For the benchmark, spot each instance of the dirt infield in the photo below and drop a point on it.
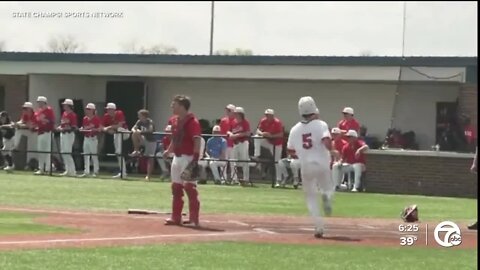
(115, 229)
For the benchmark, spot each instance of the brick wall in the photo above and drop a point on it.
(467, 101)
(420, 175)
(16, 87)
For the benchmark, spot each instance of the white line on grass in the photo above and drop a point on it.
(125, 238)
(264, 231)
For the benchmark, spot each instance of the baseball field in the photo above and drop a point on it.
(67, 223)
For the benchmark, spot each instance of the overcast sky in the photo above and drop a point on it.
(267, 28)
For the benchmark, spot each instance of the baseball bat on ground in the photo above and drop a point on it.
(148, 212)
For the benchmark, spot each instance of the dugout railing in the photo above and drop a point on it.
(268, 161)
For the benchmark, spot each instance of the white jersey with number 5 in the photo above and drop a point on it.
(306, 139)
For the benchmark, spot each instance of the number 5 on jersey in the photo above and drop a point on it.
(307, 140)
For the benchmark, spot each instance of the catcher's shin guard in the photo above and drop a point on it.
(193, 202)
(177, 202)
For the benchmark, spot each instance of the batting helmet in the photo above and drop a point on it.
(410, 213)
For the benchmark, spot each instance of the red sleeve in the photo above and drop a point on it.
(51, 115)
(84, 121)
(246, 126)
(360, 143)
(25, 118)
(119, 117)
(261, 125)
(73, 120)
(344, 151)
(224, 126)
(278, 127)
(194, 128)
(356, 125)
(96, 122)
(106, 120)
(340, 124)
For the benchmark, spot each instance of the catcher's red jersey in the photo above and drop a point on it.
(183, 134)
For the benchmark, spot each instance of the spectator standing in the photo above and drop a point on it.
(68, 124)
(240, 135)
(91, 125)
(271, 129)
(226, 124)
(142, 135)
(114, 123)
(348, 122)
(26, 127)
(44, 125)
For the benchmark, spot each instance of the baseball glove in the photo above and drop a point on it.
(410, 213)
(191, 172)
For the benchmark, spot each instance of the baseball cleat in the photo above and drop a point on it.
(277, 185)
(39, 172)
(171, 222)
(63, 174)
(93, 175)
(82, 175)
(318, 233)
(119, 175)
(191, 223)
(354, 189)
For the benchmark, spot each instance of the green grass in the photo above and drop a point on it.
(23, 224)
(97, 194)
(241, 256)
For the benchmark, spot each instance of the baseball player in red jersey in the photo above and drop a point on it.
(226, 126)
(348, 122)
(240, 135)
(44, 125)
(114, 122)
(270, 128)
(26, 127)
(68, 124)
(185, 145)
(352, 160)
(90, 127)
(337, 143)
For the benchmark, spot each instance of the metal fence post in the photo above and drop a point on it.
(273, 163)
(121, 155)
(51, 151)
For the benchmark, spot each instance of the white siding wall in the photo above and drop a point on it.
(372, 102)
(55, 87)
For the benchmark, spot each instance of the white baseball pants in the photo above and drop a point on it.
(44, 142)
(66, 145)
(339, 169)
(215, 165)
(259, 143)
(294, 165)
(229, 154)
(316, 177)
(90, 146)
(118, 139)
(8, 146)
(179, 164)
(31, 142)
(240, 152)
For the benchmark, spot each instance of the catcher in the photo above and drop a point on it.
(185, 146)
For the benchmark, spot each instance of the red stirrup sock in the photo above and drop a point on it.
(177, 202)
(193, 202)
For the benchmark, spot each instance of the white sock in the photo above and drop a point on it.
(312, 205)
